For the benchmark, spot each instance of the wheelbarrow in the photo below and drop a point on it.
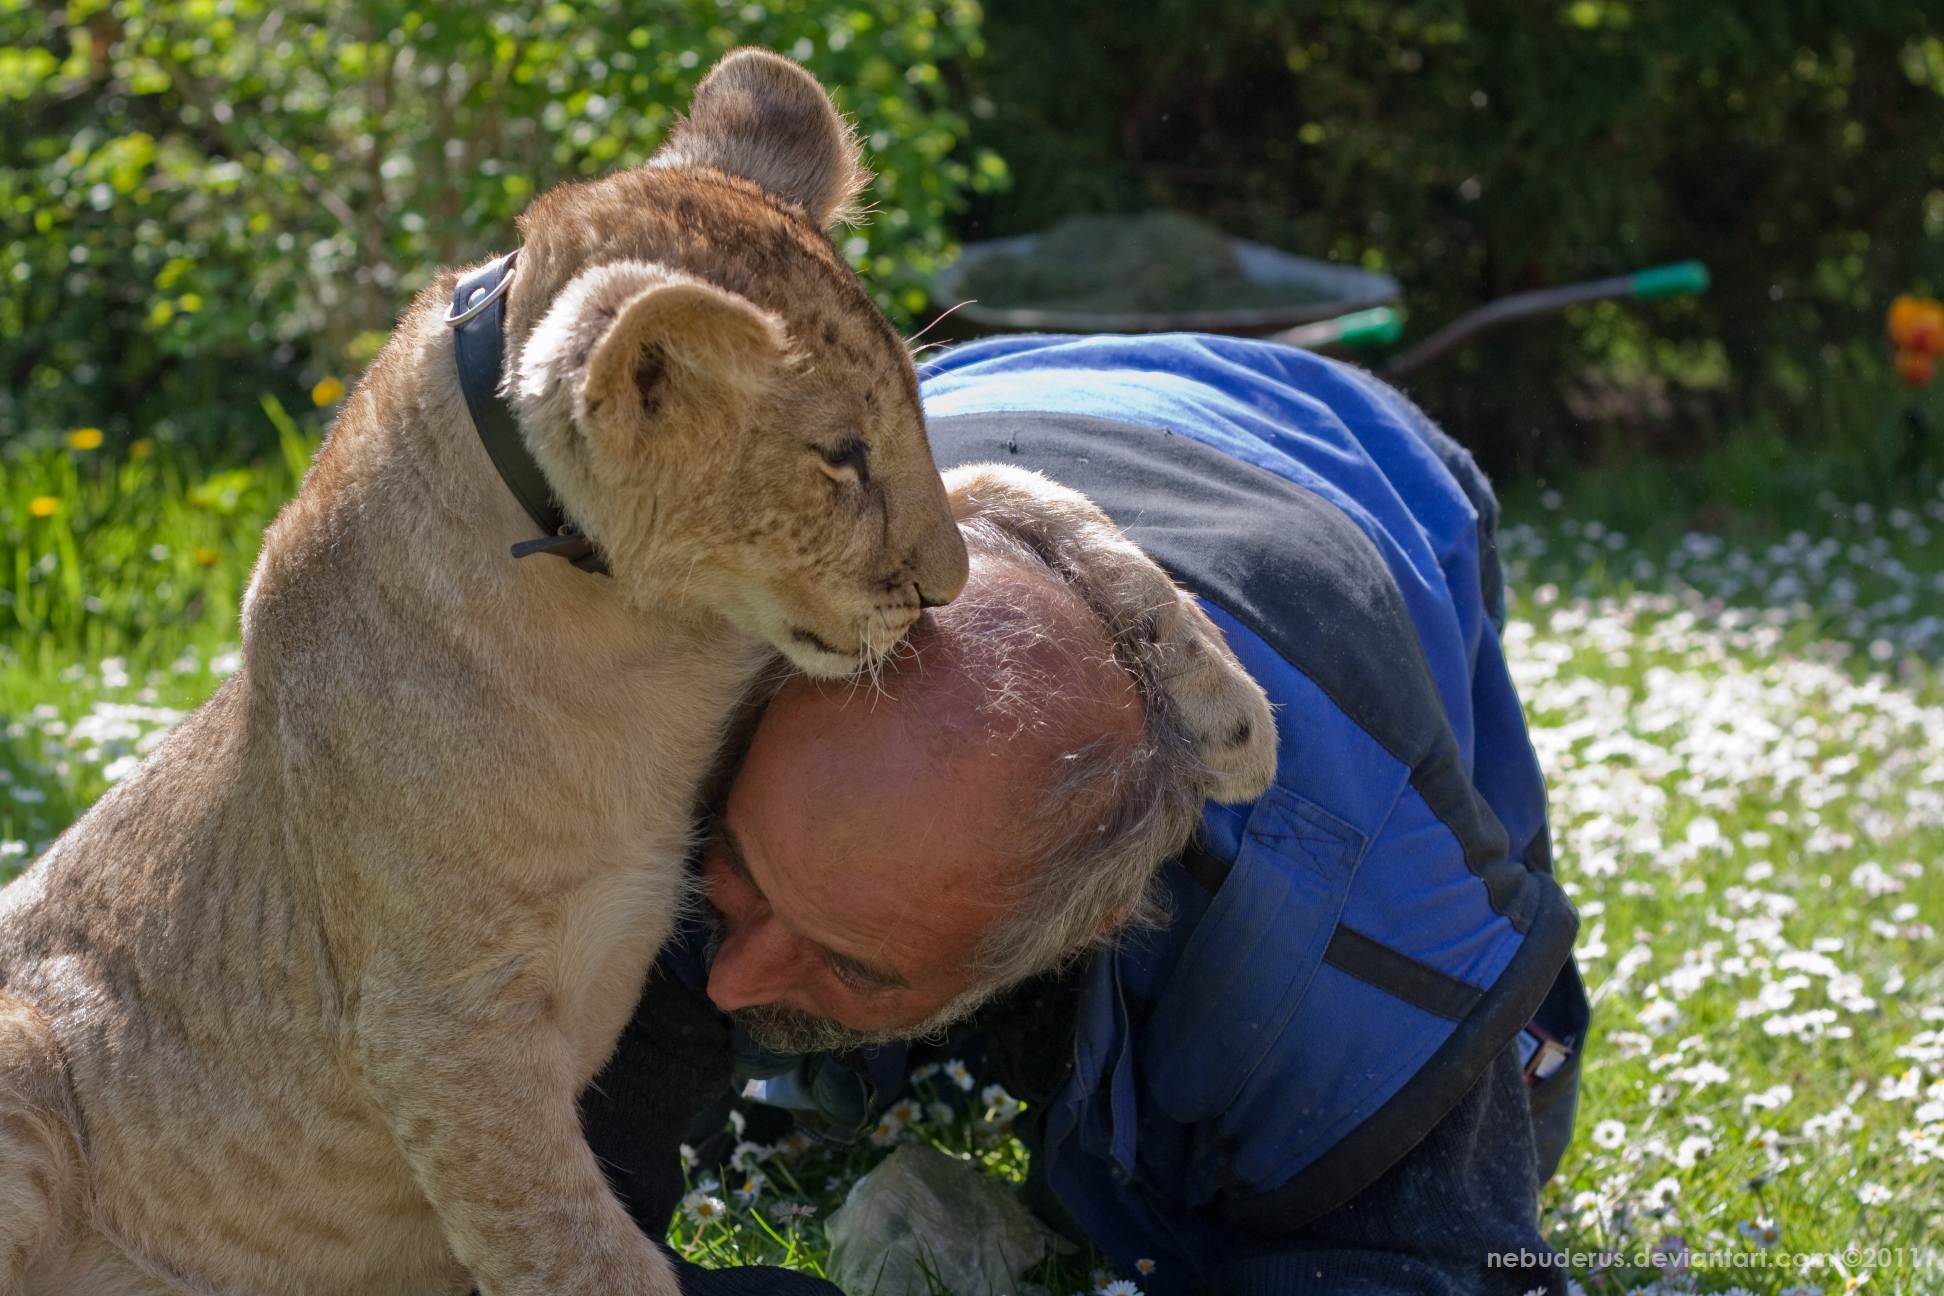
(1348, 309)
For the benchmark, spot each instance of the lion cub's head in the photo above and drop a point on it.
(712, 394)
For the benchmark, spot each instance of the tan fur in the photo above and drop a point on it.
(815, 164)
(303, 1005)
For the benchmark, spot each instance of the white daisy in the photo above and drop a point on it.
(701, 1208)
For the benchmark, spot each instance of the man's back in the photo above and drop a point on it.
(1351, 953)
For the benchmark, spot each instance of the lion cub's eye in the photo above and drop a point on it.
(848, 461)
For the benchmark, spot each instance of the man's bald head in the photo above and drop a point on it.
(1016, 681)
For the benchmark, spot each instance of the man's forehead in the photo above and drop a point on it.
(911, 899)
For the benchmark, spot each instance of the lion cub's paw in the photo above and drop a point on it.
(1218, 701)
(1227, 711)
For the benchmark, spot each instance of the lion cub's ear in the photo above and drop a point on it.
(759, 116)
(635, 347)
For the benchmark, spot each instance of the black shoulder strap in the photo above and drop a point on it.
(477, 320)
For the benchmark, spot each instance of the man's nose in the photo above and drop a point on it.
(754, 965)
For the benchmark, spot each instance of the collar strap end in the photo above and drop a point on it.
(571, 545)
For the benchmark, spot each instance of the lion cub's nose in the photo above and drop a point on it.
(941, 566)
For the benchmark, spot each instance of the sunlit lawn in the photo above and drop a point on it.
(1746, 752)
(1745, 742)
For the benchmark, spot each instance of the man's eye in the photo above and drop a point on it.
(850, 976)
(847, 461)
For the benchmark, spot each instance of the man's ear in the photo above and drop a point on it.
(759, 116)
(629, 346)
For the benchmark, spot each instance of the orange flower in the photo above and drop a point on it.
(1916, 368)
(1916, 324)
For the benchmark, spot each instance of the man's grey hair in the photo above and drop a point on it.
(1115, 807)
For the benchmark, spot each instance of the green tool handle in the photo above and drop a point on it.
(1659, 281)
(1378, 326)
(1670, 280)
(1382, 326)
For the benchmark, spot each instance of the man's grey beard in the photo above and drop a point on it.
(788, 1031)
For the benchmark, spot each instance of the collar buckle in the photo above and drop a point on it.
(477, 299)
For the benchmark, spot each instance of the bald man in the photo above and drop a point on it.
(1326, 1042)
(874, 836)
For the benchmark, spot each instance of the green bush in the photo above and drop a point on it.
(1481, 148)
(206, 200)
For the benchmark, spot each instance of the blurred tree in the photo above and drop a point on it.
(204, 200)
(1479, 147)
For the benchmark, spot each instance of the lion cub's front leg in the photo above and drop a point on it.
(478, 1080)
(40, 1155)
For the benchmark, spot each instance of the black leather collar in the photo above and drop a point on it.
(477, 320)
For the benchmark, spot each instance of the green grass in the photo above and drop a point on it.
(1733, 677)
(1750, 815)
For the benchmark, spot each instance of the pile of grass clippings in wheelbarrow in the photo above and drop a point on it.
(1157, 262)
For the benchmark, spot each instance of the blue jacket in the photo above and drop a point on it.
(1380, 925)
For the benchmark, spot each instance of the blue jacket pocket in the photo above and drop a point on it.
(1252, 956)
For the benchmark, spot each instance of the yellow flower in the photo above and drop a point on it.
(140, 450)
(84, 439)
(329, 391)
(206, 556)
(1917, 324)
(43, 506)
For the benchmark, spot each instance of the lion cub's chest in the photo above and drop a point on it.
(605, 933)
(614, 884)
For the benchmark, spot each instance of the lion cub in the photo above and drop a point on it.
(304, 1004)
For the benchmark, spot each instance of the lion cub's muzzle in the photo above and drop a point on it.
(836, 642)
(874, 638)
